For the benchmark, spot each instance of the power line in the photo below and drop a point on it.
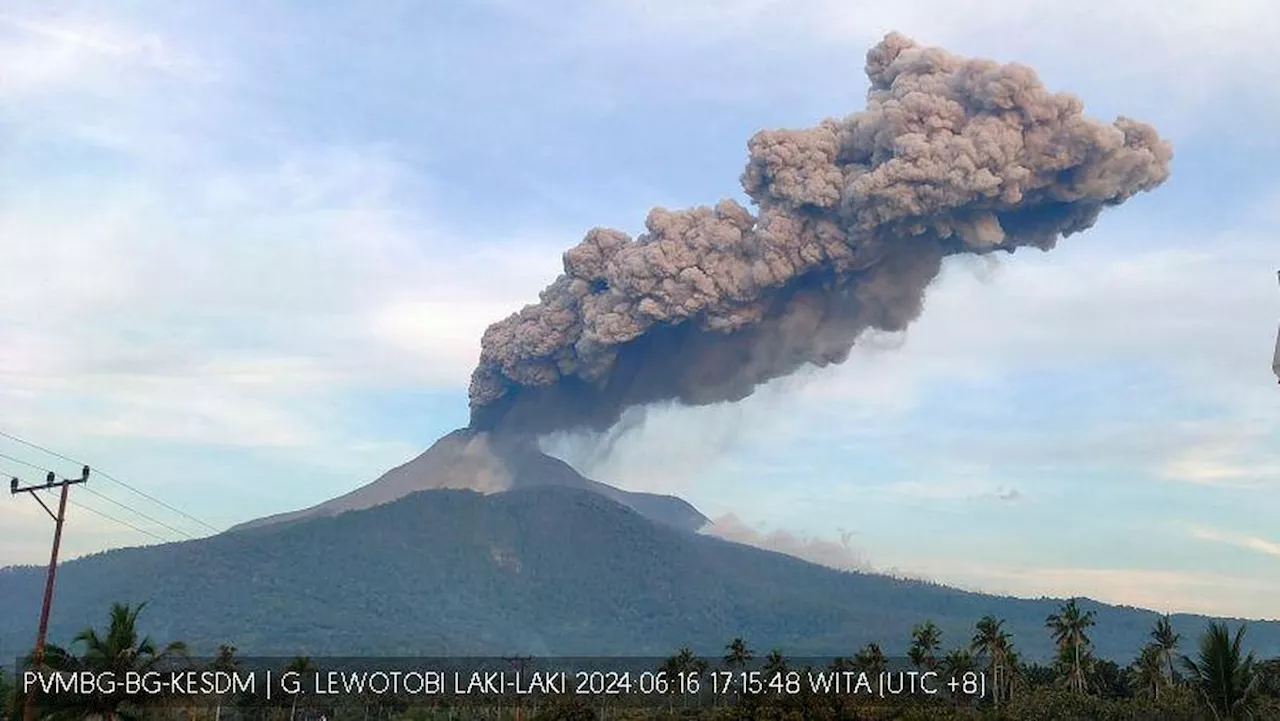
(117, 520)
(153, 499)
(24, 463)
(107, 476)
(162, 524)
(29, 444)
(232, 538)
(109, 499)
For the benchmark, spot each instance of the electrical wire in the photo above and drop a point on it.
(102, 474)
(135, 511)
(118, 520)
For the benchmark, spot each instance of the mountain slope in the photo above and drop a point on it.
(487, 463)
(539, 570)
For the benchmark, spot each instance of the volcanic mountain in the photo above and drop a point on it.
(554, 565)
(488, 463)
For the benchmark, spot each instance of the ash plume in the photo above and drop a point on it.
(853, 220)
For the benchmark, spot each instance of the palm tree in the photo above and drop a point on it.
(682, 667)
(299, 665)
(870, 659)
(684, 662)
(1069, 628)
(774, 664)
(1148, 670)
(925, 641)
(993, 643)
(1225, 679)
(225, 661)
(119, 651)
(957, 662)
(738, 654)
(1166, 641)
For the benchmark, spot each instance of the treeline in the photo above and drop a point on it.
(1216, 678)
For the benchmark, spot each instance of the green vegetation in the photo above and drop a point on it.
(118, 650)
(1069, 628)
(8, 696)
(1223, 682)
(1223, 677)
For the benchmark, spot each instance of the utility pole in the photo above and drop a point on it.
(51, 481)
(1275, 360)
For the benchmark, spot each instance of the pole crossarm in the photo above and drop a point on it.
(50, 481)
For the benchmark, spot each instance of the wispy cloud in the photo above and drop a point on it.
(45, 56)
(1240, 540)
(1240, 461)
(839, 554)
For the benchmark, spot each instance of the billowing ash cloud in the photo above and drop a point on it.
(951, 155)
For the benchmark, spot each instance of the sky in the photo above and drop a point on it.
(247, 260)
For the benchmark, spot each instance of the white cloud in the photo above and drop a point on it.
(312, 279)
(1227, 463)
(82, 54)
(1240, 540)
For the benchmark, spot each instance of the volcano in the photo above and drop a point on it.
(488, 463)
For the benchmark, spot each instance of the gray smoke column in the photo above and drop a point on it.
(854, 217)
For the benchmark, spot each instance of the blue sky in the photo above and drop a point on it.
(248, 259)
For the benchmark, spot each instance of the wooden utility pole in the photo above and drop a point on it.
(1275, 360)
(51, 481)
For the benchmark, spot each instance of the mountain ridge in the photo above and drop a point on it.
(487, 463)
(541, 570)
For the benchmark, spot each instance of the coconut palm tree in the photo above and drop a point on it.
(870, 660)
(1223, 677)
(925, 641)
(1070, 626)
(1148, 670)
(957, 662)
(1166, 641)
(775, 664)
(118, 651)
(737, 654)
(299, 665)
(684, 662)
(225, 661)
(683, 670)
(994, 644)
